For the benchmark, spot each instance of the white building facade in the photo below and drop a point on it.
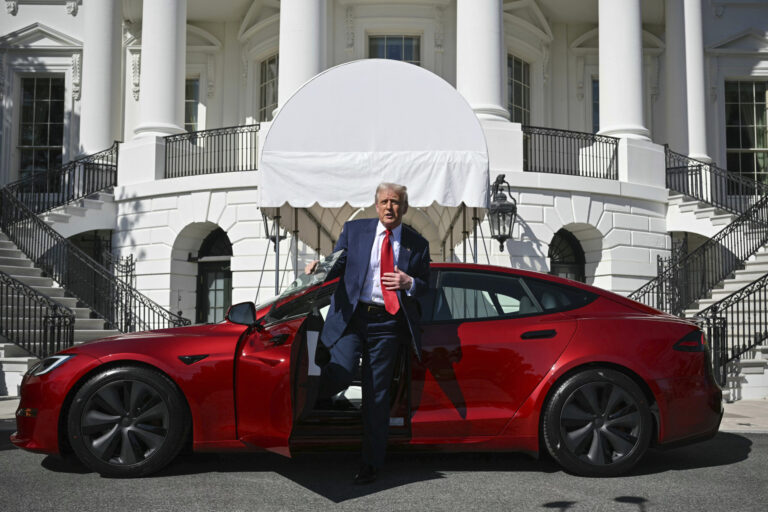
(615, 79)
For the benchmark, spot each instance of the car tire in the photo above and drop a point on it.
(127, 422)
(597, 423)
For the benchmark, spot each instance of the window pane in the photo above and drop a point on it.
(41, 135)
(27, 134)
(41, 111)
(477, 295)
(41, 160)
(54, 159)
(55, 134)
(57, 88)
(27, 159)
(376, 49)
(746, 94)
(733, 161)
(394, 48)
(27, 89)
(42, 88)
(731, 91)
(56, 112)
(747, 114)
(732, 138)
(732, 113)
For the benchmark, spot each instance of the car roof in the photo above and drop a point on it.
(548, 277)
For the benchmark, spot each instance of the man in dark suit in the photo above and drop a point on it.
(373, 311)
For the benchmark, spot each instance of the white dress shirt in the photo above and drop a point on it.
(371, 291)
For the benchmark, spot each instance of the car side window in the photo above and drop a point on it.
(555, 297)
(461, 295)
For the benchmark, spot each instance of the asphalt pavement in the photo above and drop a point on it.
(727, 472)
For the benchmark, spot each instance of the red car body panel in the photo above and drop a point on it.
(479, 385)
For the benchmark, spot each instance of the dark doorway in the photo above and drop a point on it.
(566, 257)
(214, 278)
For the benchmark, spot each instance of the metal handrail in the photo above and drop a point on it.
(710, 184)
(121, 306)
(736, 324)
(123, 268)
(555, 151)
(685, 281)
(75, 180)
(33, 321)
(229, 149)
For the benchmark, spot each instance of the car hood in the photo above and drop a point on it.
(195, 338)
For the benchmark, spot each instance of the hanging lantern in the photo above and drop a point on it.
(502, 211)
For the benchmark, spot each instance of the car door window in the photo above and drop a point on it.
(461, 295)
(555, 297)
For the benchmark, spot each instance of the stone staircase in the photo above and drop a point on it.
(14, 360)
(687, 214)
(96, 212)
(748, 377)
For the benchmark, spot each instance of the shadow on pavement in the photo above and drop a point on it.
(723, 449)
(330, 474)
(7, 427)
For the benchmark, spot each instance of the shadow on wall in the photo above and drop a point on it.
(527, 253)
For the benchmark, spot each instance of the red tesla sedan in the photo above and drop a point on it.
(511, 360)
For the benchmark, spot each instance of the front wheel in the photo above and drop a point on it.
(127, 422)
(597, 423)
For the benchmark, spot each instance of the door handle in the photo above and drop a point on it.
(539, 335)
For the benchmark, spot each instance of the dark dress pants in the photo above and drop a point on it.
(378, 336)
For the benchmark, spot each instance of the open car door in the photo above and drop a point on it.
(276, 358)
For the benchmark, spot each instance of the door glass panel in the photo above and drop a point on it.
(476, 295)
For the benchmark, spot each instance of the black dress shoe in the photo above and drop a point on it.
(366, 475)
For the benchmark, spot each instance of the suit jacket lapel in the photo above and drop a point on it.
(366, 244)
(404, 255)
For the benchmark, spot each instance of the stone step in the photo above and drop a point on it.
(705, 213)
(36, 281)
(16, 262)
(80, 335)
(56, 217)
(92, 204)
(722, 219)
(18, 322)
(7, 244)
(14, 271)
(691, 206)
(19, 310)
(73, 210)
(53, 292)
(11, 253)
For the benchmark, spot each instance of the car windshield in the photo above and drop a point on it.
(306, 281)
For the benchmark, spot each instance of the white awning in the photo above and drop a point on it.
(365, 122)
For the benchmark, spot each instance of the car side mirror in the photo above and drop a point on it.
(243, 313)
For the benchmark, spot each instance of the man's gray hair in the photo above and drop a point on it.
(400, 190)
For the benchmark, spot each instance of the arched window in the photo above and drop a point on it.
(566, 257)
(214, 278)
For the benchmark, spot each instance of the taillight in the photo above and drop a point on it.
(694, 341)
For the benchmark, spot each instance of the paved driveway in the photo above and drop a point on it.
(727, 472)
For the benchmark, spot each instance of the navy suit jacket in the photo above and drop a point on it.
(357, 238)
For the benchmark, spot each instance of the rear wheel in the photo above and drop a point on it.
(127, 422)
(597, 423)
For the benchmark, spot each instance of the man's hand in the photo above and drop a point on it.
(397, 280)
(311, 266)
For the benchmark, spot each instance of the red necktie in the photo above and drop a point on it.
(388, 265)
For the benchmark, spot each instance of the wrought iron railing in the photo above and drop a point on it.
(123, 268)
(710, 184)
(32, 321)
(120, 305)
(555, 151)
(736, 324)
(681, 283)
(46, 190)
(212, 151)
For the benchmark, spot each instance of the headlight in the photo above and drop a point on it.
(48, 364)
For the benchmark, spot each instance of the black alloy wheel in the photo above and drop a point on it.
(127, 422)
(597, 423)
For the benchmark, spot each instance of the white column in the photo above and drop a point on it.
(163, 68)
(675, 79)
(696, 81)
(301, 45)
(100, 110)
(480, 57)
(621, 69)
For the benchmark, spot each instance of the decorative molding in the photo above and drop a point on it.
(76, 75)
(545, 61)
(72, 6)
(210, 75)
(439, 28)
(244, 66)
(580, 79)
(2, 73)
(349, 22)
(135, 73)
(33, 37)
(12, 6)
